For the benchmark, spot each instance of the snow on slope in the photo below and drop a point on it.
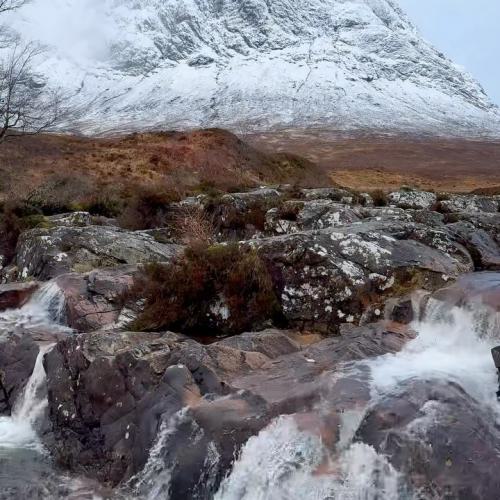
(253, 65)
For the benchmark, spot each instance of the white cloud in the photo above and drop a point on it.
(79, 29)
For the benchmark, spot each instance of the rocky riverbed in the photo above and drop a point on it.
(362, 381)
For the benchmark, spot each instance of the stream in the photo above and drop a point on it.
(448, 363)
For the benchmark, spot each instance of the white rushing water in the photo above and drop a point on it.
(453, 344)
(284, 463)
(19, 430)
(44, 309)
(154, 480)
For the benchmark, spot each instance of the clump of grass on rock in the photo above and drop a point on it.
(220, 289)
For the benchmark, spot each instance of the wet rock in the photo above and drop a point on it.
(271, 343)
(108, 392)
(294, 216)
(96, 300)
(412, 199)
(15, 295)
(47, 253)
(401, 310)
(18, 354)
(295, 382)
(475, 289)
(439, 437)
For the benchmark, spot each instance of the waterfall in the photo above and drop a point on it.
(18, 430)
(45, 308)
(453, 344)
(154, 480)
(284, 463)
(30, 406)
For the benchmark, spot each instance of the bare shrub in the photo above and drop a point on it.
(194, 226)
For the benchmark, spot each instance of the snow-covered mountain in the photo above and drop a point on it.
(253, 65)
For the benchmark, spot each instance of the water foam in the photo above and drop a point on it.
(285, 463)
(453, 344)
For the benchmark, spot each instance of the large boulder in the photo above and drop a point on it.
(470, 203)
(332, 194)
(412, 199)
(329, 277)
(108, 390)
(295, 215)
(47, 253)
(112, 395)
(482, 246)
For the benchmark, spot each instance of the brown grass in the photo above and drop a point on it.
(367, 161)
(181, 162)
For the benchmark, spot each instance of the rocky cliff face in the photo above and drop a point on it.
(255, 64)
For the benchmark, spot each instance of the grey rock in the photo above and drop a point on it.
(73, 219)
(483, 248)
(470, 203)
(294, 216)
(418, 200)
(258, 196)
(333, 194)
(47, 253)
(97, 300)
(329, 277)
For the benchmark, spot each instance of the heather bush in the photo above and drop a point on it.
(220, 289)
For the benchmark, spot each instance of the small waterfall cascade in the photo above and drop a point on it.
(45, 308)
(19, 430)
(284, 463)
(154, 480)
(30, 407)
(453, 344)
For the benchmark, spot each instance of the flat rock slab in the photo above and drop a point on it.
(48, 253)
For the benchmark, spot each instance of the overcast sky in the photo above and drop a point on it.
(468, 31)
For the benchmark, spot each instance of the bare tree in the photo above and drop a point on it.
(6, 5)
(27, 106)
